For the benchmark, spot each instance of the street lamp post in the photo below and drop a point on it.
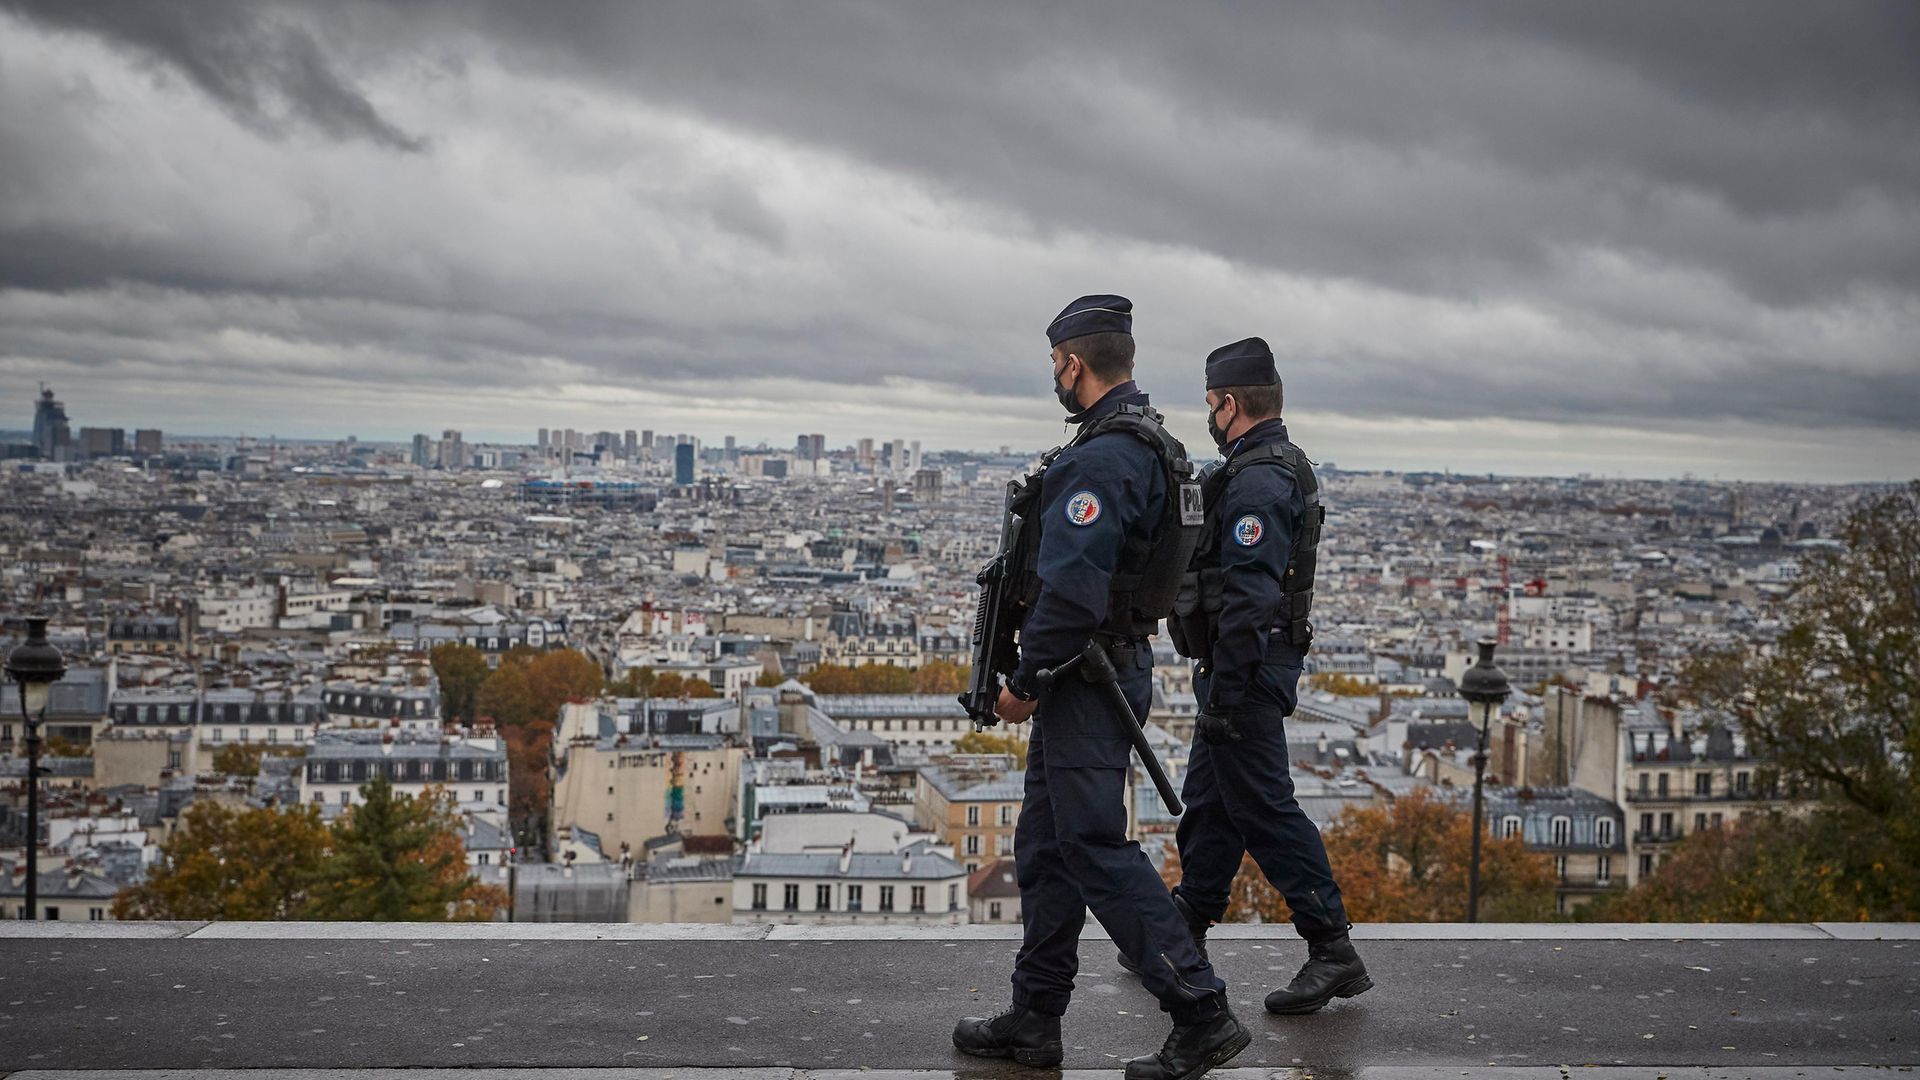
(1484, 686)
(34, 667)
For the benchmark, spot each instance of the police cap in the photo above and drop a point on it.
(1104, 314)
(1243, 363)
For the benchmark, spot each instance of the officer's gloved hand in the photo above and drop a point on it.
(1217, 729)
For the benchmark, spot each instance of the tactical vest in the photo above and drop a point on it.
(1148, 576)
(1195, 624)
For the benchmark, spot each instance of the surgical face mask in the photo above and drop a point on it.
(1213, 427)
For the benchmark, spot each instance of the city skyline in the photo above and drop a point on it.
(1495, 240)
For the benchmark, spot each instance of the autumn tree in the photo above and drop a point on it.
(227, 863)
(560, 676)
(461, 670)
(986, 742)
(770, 677)
(529, 785)
(1406, 861)
(391, 862)
(237, 759)
(941, 677)
(1341, 685)
(637, 682)
(1834, 708)
(506, 696)
(864, 679)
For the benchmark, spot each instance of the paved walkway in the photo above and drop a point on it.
(825, 1003)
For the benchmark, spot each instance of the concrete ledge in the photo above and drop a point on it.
(355, 931)
(984, 1072)
(13, 928)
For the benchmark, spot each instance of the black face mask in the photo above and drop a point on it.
(1214, 429)
(1065, 396)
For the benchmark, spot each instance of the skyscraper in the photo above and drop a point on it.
(52, 439)
(683, 464)
(147, 441)
(543, 438)
(453, 450)
(423, 451)
(632, 444)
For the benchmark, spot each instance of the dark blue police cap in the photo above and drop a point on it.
(1243, 363)
(1092, 315)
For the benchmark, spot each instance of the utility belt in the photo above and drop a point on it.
(1122, 649)
(1195, 622)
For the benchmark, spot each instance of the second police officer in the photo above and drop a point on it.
(1102, 513)
(1243, 614)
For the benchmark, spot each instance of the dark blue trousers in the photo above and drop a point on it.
(1072, 852)
(1240, 800)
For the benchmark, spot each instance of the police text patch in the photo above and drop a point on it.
(1083, 508)
(1248, 531)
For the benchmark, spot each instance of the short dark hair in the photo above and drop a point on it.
(1258, 402)
(1108, 355)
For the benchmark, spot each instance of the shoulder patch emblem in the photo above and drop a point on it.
(1248, 531)
(1083, 508)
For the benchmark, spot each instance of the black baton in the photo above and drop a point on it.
(1100, 673)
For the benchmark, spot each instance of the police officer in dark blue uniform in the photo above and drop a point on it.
(1101, 499)
(1244, 616)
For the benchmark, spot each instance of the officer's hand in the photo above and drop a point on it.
(1217, 730)
(1013, 710)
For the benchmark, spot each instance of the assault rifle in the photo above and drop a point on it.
(1002, 609)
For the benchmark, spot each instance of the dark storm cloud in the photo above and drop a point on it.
(267, 72)
(1614, 212)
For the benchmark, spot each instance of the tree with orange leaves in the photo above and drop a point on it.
(1406, 861)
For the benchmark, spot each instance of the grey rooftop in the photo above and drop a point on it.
(801, 1003)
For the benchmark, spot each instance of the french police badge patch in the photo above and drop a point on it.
(1083, 508)
(1248, 531)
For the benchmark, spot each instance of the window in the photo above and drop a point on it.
(822, 897)
(790, 897)
(96, 914)
(953, 898)
(346, 798)
(1699, 822)
(1643, 783)
(1603, 870)
(1510, 826)
(993, 911)
(1560, 867)
(53, 913)
(1716, 820)
(216, 735)
(973, 816)
(918, 896)
(1562, 831)
(1666, 824)
(1004, 846)
(1646, 824)
(1703, 783)
(759, 896)
(1646, 865)
(1663, 785)
(886, 898)
(484, 858)
(1603, 831)
(973, 843)
(1006, 813)
(853, 897)
(1742, 782)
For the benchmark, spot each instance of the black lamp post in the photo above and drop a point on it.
(1484, 686)
(34, 667)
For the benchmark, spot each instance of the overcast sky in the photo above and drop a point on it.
(1640, 238)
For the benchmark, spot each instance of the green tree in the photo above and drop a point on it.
(461, 669)
(390, 862)
(984, 742)
(227, 863)
(506, 696)
(1835, 708)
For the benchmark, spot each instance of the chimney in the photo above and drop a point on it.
(906, 862)
(846, 856)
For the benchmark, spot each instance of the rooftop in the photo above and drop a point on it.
(805, 1002)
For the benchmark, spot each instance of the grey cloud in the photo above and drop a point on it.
(267, 72)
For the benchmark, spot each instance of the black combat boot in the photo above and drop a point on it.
(1027, 1037)
(1196, 925)
(1192, 1049)
(1333, 969)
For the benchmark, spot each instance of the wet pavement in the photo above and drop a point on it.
(824, 1008)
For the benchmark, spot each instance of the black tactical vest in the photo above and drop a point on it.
(1148, 576)
(1195, 623)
